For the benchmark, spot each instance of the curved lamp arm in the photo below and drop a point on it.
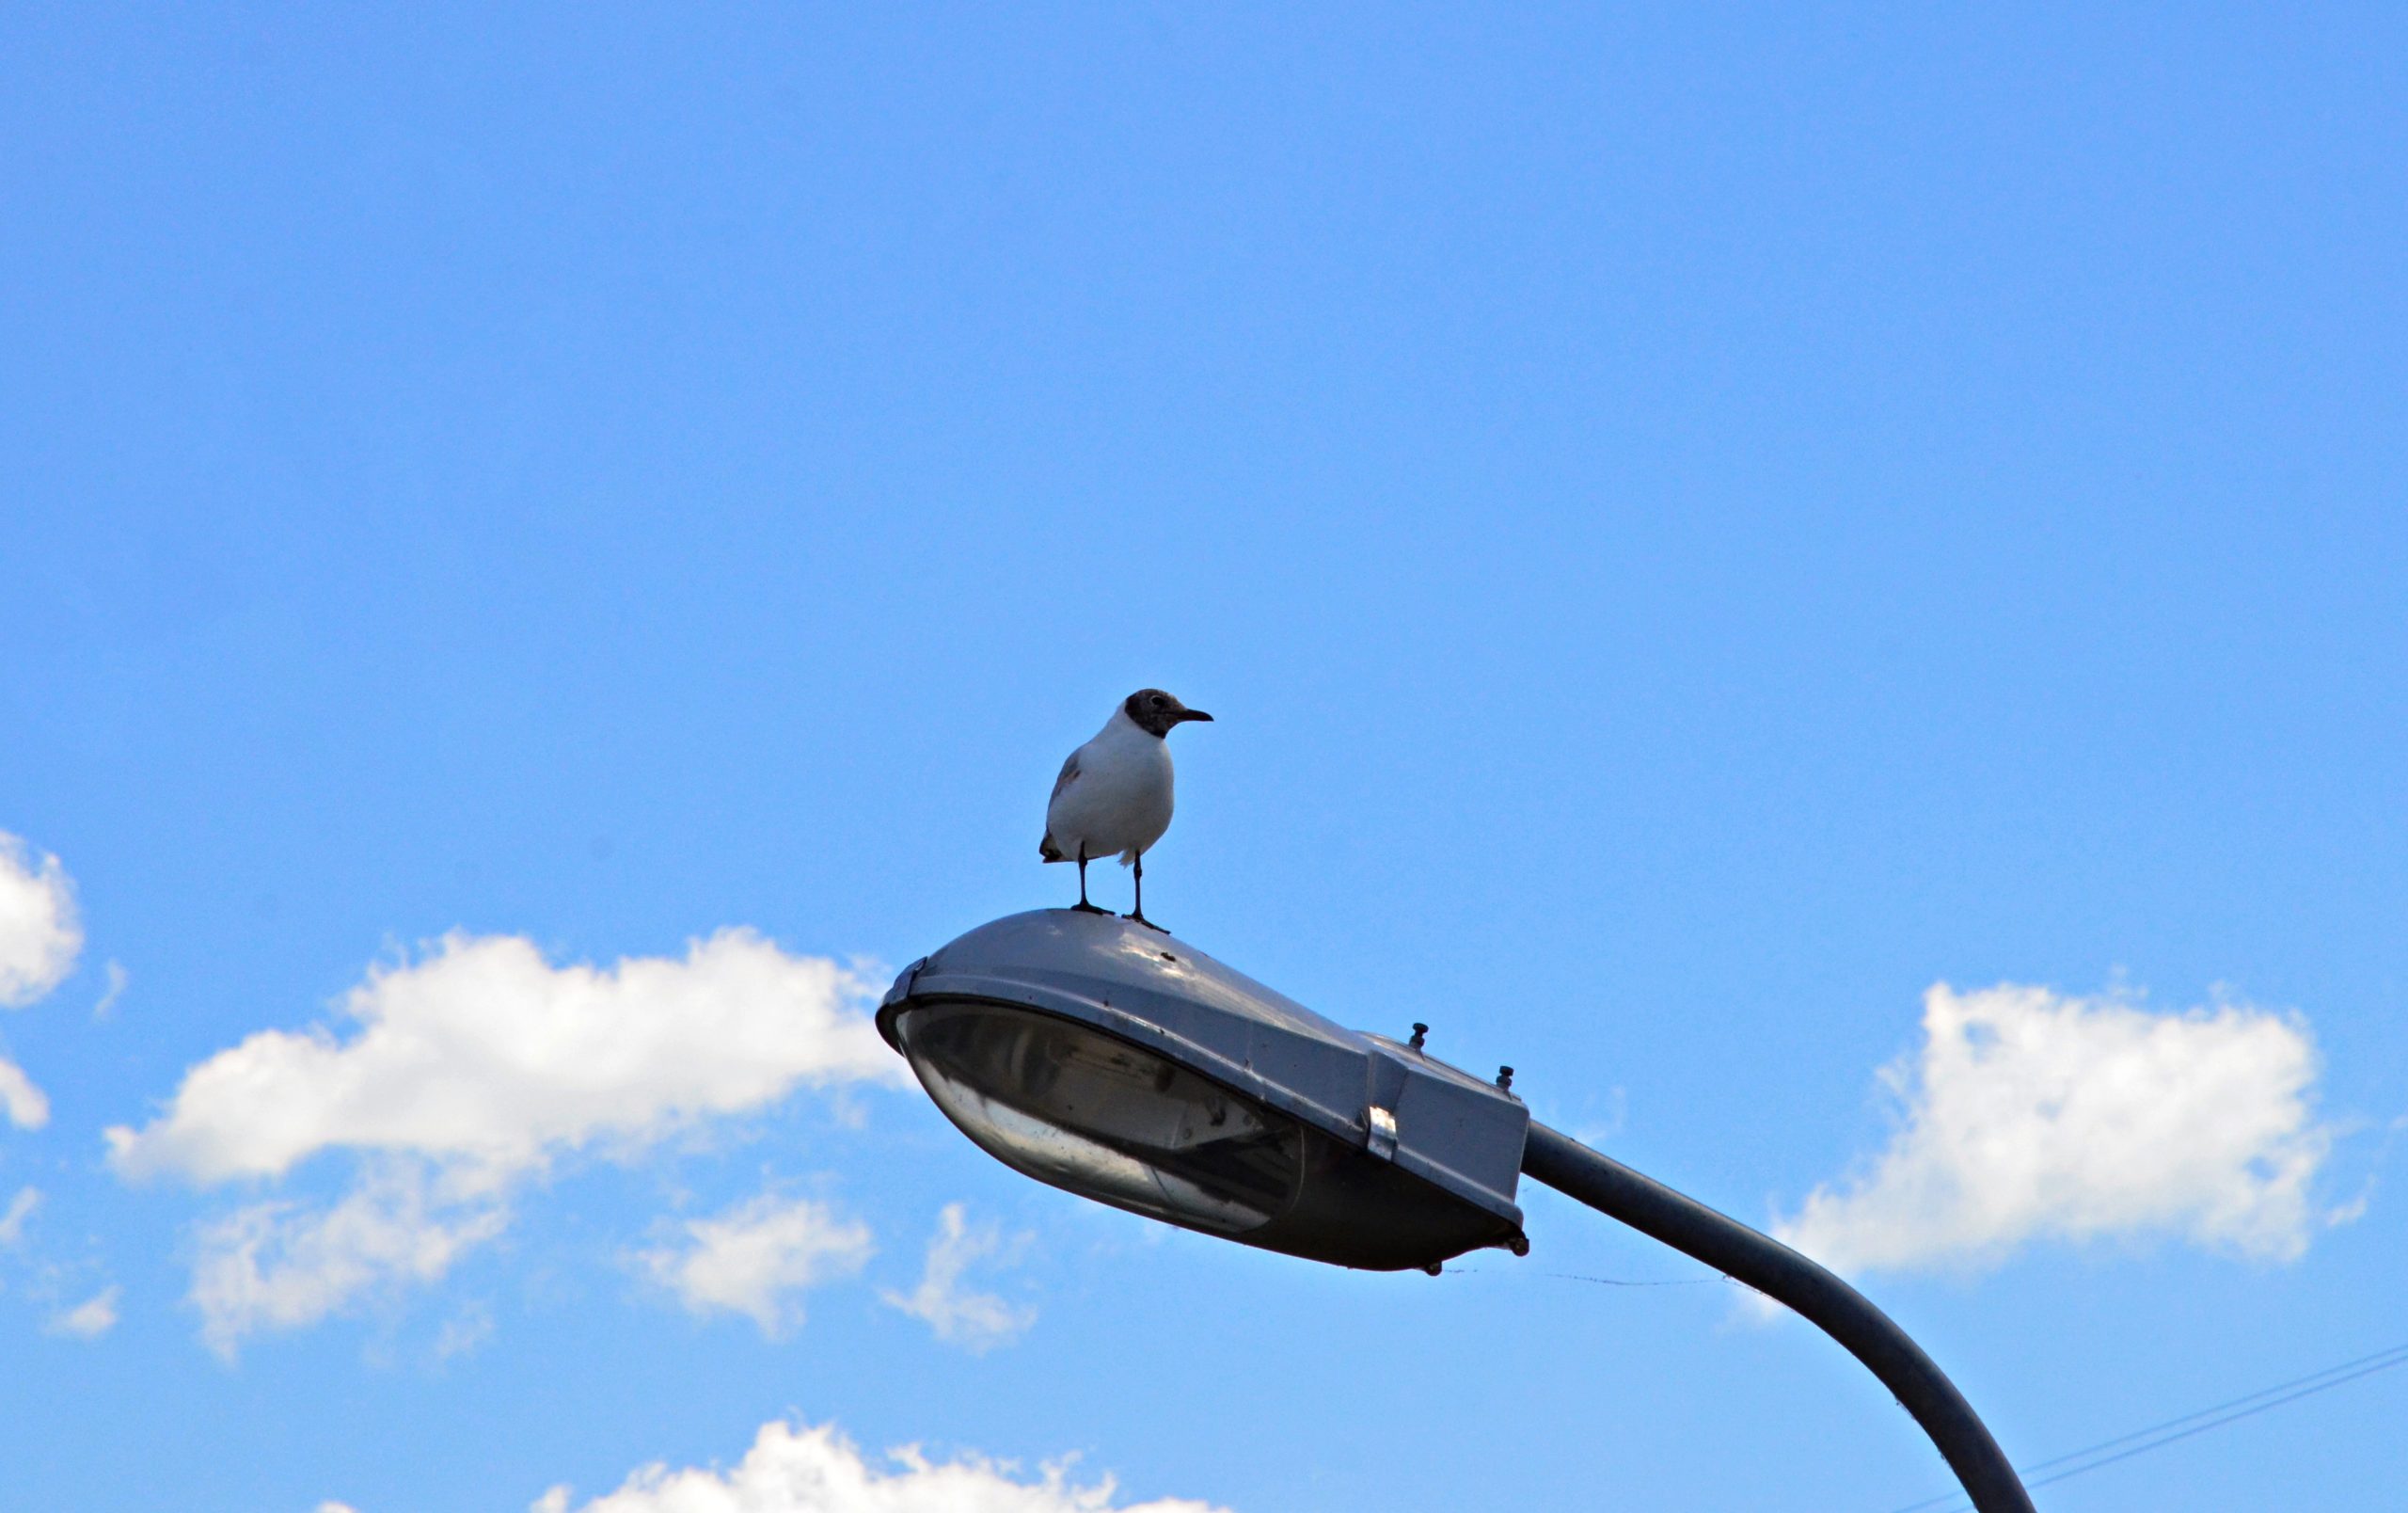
(1781, 1274)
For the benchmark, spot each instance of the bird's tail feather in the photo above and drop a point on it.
(1049, 852)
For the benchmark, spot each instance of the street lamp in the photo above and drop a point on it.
(1123, 1065)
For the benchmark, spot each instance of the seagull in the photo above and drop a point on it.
(1113, 794)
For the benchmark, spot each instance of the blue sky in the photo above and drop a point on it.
(1696, 527)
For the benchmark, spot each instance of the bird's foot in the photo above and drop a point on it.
(1084, 907)
(1136, 918)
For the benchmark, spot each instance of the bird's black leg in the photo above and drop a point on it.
(1082, 906)
(1139, 914)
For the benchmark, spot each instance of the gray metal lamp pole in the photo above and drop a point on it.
(1130, 1068)
(1813, 1293)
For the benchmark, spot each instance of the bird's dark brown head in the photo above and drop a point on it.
(1155, 712)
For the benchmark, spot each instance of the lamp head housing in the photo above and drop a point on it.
(1127, 1066)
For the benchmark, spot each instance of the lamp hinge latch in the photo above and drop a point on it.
(1382, 1125)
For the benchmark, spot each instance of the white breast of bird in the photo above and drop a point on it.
(1120, 801)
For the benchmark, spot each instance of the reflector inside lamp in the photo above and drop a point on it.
(1095, 1115)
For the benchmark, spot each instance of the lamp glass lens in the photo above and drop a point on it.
(1099, 1117)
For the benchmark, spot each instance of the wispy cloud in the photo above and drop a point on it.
(464, 1332)
(12, 1218)
(978, 1321)
(758, 1258)
(281, 1265)
(112, 989)
(89, 1319)
(797, 1468)
(2028, 1114)
(40, 934)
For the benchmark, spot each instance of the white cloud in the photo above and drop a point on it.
(975, 1320)
(89, 1319)
(40, 935)
(795, 1468)
(757, 1258)
(22, 1101)
(463, 1072)
(2031, 1115)
(281, 1265)
(12, 1218)
(488, 1058)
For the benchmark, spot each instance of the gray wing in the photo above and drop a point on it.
(1046, 848)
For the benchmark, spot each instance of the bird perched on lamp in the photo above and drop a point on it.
(1114, 795)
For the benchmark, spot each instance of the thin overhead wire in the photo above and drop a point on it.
(2157, 1436)
(1601, 1281)
(1617, 1281)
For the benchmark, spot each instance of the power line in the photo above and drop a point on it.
(2157, 1436)
(1601, 1281)
(1617, 1281)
